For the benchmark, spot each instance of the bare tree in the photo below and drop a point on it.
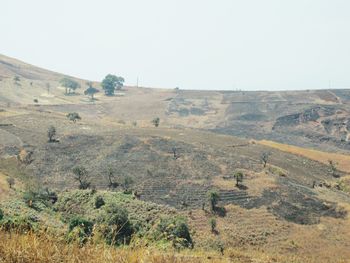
(11, 182)
(82, 176)
(264, 157)
(110, 175)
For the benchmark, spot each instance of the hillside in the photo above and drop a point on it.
(293, 206)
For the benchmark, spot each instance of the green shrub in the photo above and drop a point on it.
(175, 230)
(79, 229)
(84, 223)
(99, 202)
(39, 199)
(115, 225)
(1, 214)
(18, 223)
(212, 223)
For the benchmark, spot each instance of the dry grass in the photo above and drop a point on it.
(342, 160)
(15, 247)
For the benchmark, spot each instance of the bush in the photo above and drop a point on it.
(73, 116)
(212, 223)
(99, 201)
(18, 223)
(38, 199)
(156, 122)
(79, 230)
(175, 230)
(115, 225)
(1, 214)
(213, 197)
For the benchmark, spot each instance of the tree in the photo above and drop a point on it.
(212, 223)
(213, 199)
(82, 176)
(110, 175)
(91, 91)
(48, 87)
(11, 182)
(239, 177)
(51, 132)
(333, 168)
(264, 157)
(175, 153)
(69, 85)
(111, 82)
(156, 122)
(127, 182)
(16, 80)
(73, 116)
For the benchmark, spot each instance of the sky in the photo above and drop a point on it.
(190, 44)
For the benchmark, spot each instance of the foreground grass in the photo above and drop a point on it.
(342, 160)
(29, 247)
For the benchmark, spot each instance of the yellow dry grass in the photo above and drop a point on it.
(342, 160)
(35, 248)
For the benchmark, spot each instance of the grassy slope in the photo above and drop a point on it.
(342, 160)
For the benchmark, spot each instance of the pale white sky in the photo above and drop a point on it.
(193, 44)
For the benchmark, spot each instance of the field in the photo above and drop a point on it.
(342, 160)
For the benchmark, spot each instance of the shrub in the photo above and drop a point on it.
(73, 116)
(213, 199)
(156, 122)
(175, 230)
(51, 132)
(19, 223)
(115, 225)
(99, 202)
(212, 223)
(79, 230)
(1, 214)
(81, 222)
(239, 177)
(38, 199)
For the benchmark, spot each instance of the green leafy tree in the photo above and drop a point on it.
(111, 82)
(81, 175)
(69, 85)
(213, 199)
(90, 91)
(73, 116)
(51, 132)
(156, 122)
(239, 177)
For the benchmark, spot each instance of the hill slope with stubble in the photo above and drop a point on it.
(294, 207)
